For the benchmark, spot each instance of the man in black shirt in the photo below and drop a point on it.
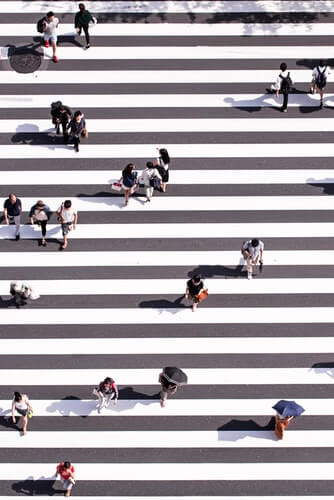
(12, 209)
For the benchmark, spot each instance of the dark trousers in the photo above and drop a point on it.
(63, 123)
(43, 224)
(285, 100)
(85, 28)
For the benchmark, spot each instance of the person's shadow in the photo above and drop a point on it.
(72, 405)
(217, 270)
(164, 304)
(326, 184)
(235, 429)
(324, 369)
(42, 486)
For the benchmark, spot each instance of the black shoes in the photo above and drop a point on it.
(17, 237)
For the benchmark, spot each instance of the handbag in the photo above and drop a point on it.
(116, 186)
(30, 413)
(84, 133)
(202, 296)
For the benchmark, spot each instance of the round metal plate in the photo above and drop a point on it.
(25, 60)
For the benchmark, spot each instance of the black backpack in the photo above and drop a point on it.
(155, 183)
(40, 24)
(321, 79)
(286, 84)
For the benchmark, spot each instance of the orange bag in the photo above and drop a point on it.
(202, 296)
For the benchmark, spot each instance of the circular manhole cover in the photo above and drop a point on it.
(25, 60)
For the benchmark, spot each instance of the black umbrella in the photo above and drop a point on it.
(175, 375)
(288, 408)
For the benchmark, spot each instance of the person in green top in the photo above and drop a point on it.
(81, 22)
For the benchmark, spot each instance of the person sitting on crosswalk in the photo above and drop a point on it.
(252, 252)
(21, 292)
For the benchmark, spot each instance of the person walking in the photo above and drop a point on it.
(252, 252)
(106, 391)
(65, 471)
(68, 217)
(281, 423)
(283, 85)
(50, 33)
(196, 287)
(22, 405)
(81, 22)
(21, 292)
(320, 74)
(162, 165)
(77, 128)
(167, 389)
(151, 179)
(129, 181)
(61, 115)
(40, 214)
(12, 209)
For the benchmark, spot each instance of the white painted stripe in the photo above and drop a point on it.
(91, 177)
(87, 101)
(177, 286)
(180, 125)
(196, 345)
(178, 471)
(175, 6)
(323, 497)
(192, 230)
(196, 52)
(175, 407)
(161, 76)
(188, 203)
(172, 258)
(168, 439)
(173, 316)
(293, 150)
(182, 29)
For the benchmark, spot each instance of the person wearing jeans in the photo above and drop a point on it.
(12, 210)
(40, 214)
(77, 128)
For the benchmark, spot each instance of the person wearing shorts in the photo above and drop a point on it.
(65, 471)
(68, 217)
(195, 286)
(50, 33)
(252, 252)
(21, 404)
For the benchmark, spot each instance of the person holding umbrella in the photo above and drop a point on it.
(286, 412)
(170, 379)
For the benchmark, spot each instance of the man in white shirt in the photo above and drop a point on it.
(251, 251)
(68, 217)
(50, 33)
(283, 84)
(319, 79)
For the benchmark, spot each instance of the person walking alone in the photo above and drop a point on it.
(167, 389)
(319, 80)
(40, 214)
(283, 85)
(281, 423)
(195, 287)
(106, 391)
(252, 252)
(50, 33)
(77, 128)
(12, 209)
(22, 405)
(81, 22)
(68, 217)
(151, 179)
(66, 473)
(162, 165)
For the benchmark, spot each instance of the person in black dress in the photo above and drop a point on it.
(194, 287)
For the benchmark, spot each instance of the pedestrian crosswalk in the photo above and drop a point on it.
(190, 76)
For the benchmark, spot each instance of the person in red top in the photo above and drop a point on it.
(66, 472)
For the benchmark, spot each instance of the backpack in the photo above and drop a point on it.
(321, 79)
(286, 84)
(40, 24)
(155, 182)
